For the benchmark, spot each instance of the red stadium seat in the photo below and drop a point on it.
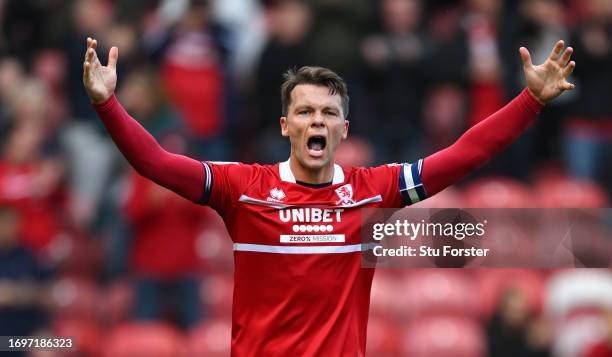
(383, 298)
(497, 193)
(383, 336)
(448, 198)
(88, 335)
(564, 192)
(429, 292)
(444, 337)
(147, 339)
(216, 294)
(211, 339)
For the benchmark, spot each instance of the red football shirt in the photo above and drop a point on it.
(299, 288)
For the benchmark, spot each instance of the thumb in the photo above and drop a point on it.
(526, 57)
(113, 55)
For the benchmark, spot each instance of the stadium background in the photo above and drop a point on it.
(89, 249)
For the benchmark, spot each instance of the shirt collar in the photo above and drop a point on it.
(286, 175)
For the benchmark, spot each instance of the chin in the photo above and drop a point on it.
(312, 163)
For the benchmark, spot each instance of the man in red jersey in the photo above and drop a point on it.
(299, 286)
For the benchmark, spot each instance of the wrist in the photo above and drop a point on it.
(104, 105)
(541, 101)
(530, 101)
(99, 99)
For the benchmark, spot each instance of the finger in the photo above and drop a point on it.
(569, 69)
(89, 56)
(556, 51)
(88, 46)
(94, 46)
(565, 57)
(567, 86)
(525, 57)
(93, 53)
(113, 55)
(86, 71)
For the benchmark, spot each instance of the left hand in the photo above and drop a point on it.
(548, 80)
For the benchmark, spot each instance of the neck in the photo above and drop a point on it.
(315, 176)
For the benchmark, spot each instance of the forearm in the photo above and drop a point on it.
(178, 173)
(479, 144)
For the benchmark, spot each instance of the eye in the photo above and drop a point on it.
(332, 113)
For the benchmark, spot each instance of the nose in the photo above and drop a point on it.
(318, 121)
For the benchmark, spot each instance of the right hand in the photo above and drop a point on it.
(548, 80)
(99, 81)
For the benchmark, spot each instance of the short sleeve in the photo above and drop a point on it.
(399, 184)
(224, 182)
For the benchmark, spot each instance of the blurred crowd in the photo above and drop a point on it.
(88, 247)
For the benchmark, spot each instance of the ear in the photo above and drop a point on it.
(284, 126)
(345, 130)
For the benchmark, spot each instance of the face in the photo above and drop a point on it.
(515, 308)
(315, 125)
(8, 228)
(486, 7)
(400, 16)
(24, 143)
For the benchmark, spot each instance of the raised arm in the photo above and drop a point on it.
(178, 173)
(490, 136)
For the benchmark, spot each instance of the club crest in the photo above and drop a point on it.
(276, 194)
(345, 193)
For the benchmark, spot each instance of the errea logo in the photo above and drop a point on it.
(276, 195)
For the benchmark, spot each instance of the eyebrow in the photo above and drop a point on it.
(325, 108)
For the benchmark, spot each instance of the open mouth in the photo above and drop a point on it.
(316, 145)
